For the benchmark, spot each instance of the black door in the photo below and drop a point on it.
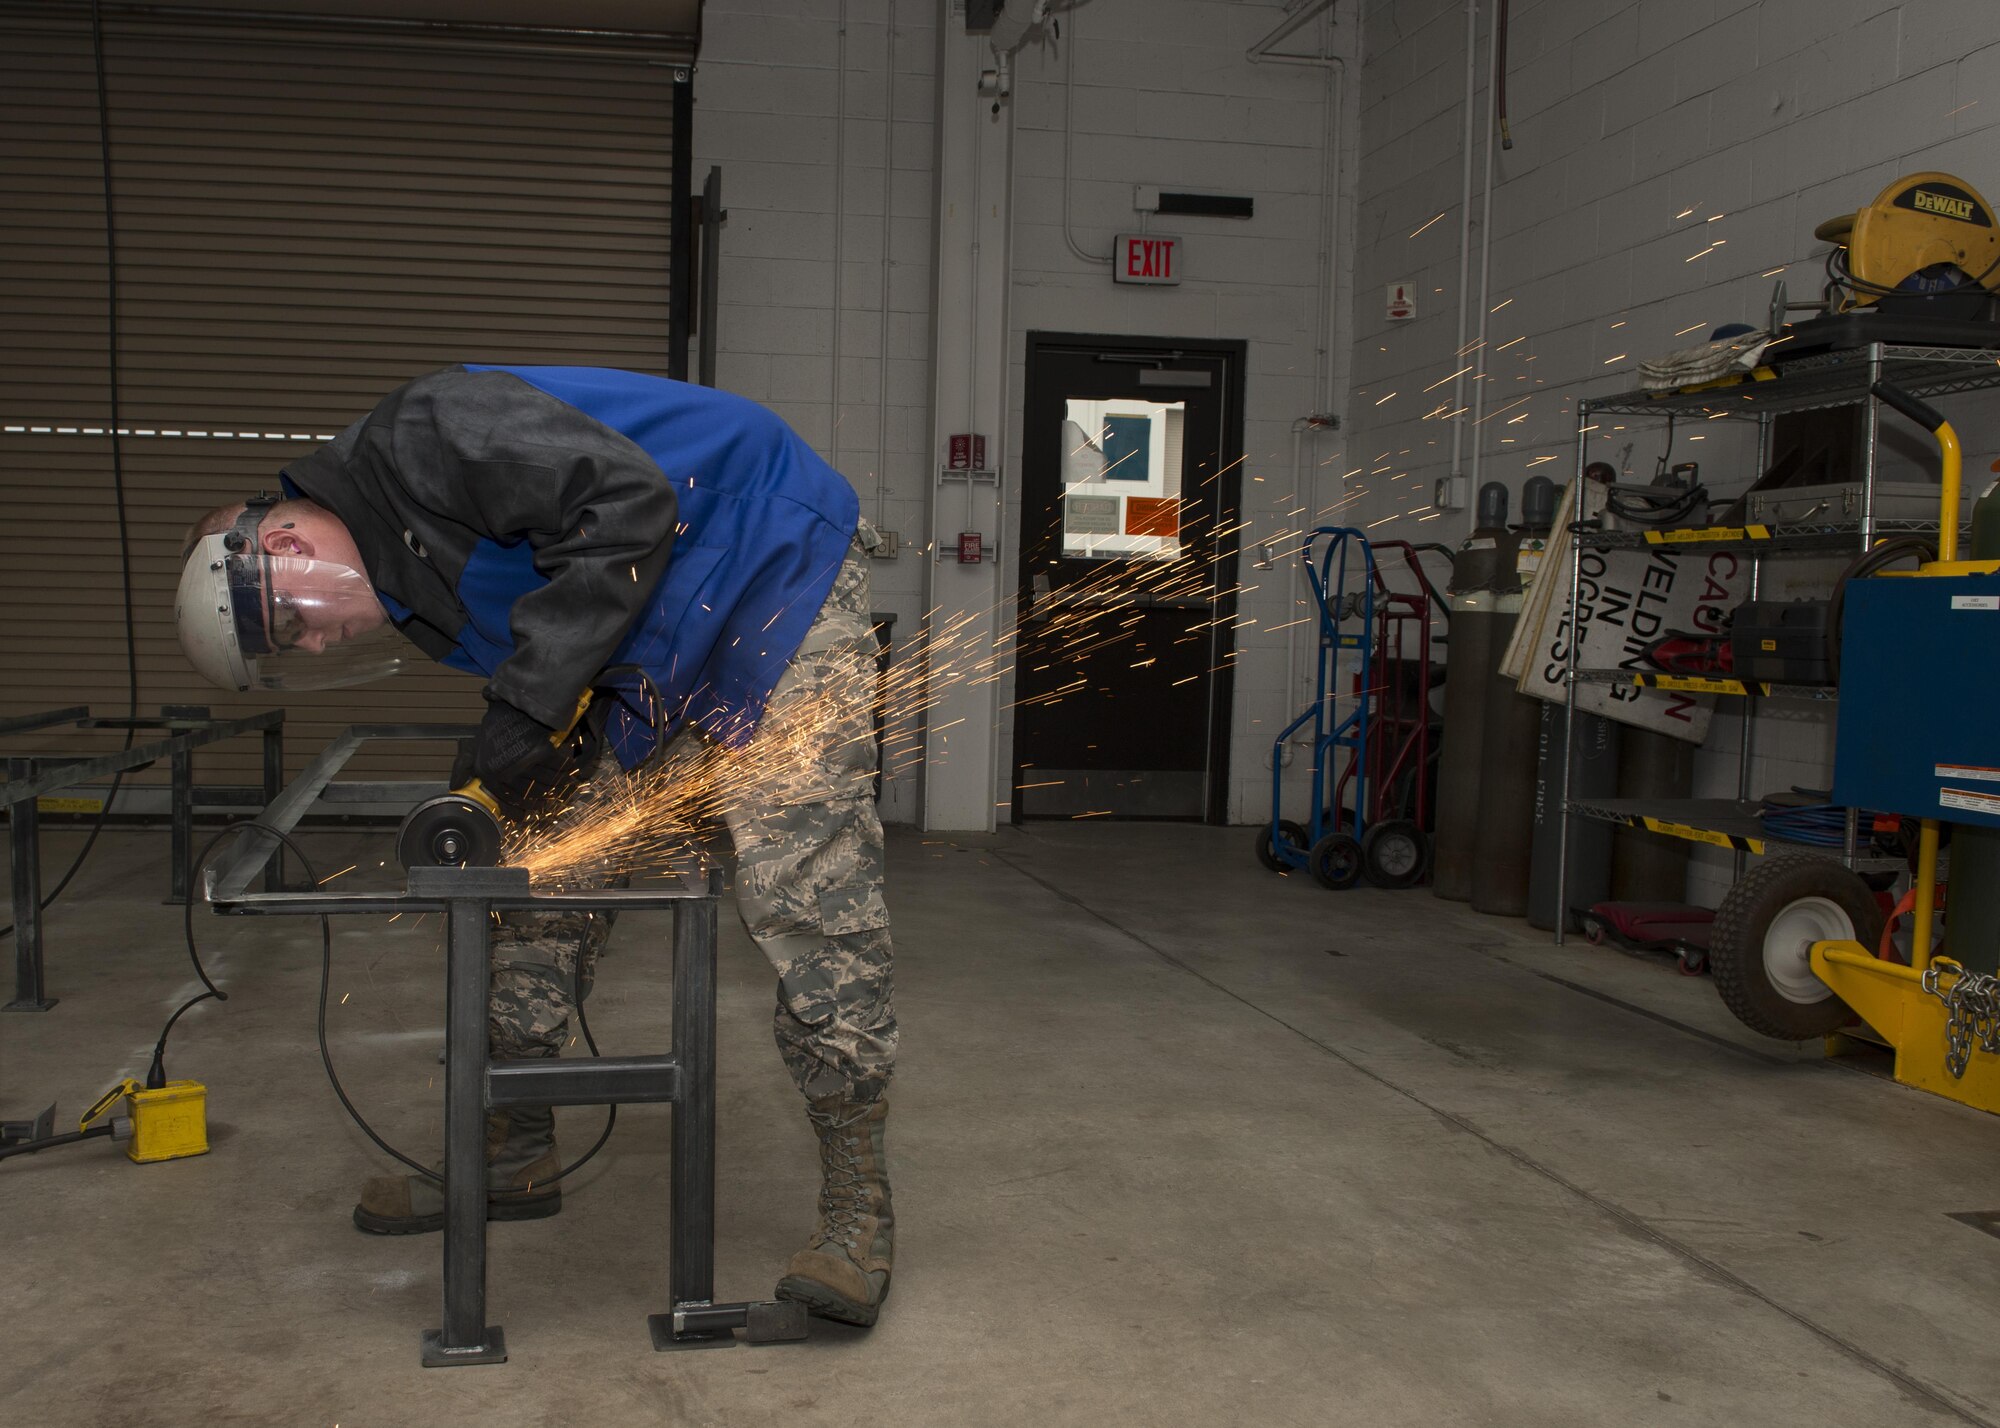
(1129, 489)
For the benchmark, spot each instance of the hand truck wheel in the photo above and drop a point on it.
(1395, 854)
(1294, 836)
(1335, 861)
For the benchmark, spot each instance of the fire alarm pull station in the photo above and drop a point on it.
(972, 548)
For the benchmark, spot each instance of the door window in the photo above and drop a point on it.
(1121, 473)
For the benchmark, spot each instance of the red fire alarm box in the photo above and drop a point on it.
(971, 546)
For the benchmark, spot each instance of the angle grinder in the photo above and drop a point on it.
(464, 828)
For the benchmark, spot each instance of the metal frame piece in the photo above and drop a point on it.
(230, 875)
(1825, 379)
(29, 776)
(474, 1083)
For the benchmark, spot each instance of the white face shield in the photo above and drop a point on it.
(251, 620)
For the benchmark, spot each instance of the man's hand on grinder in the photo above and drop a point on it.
(515, 759)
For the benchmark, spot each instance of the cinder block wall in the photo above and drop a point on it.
(1669, 164)
(799, 148)
(1163, 95)
(1635, 125)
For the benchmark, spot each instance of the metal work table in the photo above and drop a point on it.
(474, 1083)
(29, 776)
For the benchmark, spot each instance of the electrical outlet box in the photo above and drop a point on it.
(1448, 493)
(887, 544)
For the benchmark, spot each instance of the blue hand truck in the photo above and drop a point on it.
(1324, 847)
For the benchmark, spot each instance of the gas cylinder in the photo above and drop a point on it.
(1503, 839)
(1593, 775)
(1471, 659)
(1648, 866)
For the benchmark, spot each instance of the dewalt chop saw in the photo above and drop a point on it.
(1919, 265)
(467, 827)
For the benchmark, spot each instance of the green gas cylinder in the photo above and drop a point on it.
(1972, 917)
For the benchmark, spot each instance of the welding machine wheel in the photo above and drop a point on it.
(1395, 854)
(1292, 834)
(1336, 861)
(1763, 932)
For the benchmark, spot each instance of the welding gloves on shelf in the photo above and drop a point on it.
(516, 759)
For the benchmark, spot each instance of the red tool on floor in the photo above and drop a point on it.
(1675, 927)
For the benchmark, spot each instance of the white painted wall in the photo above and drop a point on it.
(1644, 135)
(800, 145)
(1163, 94)
(1634, 126)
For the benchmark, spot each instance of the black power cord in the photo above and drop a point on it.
(117, 451)
(325, 983)
(29, 1147)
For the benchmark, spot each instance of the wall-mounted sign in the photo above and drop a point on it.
(1090, 515)
(1153, 515)
(968, 452)
(1146, 258)
(1402, 301)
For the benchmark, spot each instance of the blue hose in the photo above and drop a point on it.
(1819, 825)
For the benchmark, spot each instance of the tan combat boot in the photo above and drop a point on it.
(520, 1157)
(843, 1272)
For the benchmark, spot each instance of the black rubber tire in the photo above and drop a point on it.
(1395, 854)
(1335, 861)
(1292, 833)
(1810, 890)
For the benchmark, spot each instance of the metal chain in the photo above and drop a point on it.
(1972, 1012)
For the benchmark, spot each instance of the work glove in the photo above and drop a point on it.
(513, 759)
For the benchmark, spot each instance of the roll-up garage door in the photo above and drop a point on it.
(303, 219)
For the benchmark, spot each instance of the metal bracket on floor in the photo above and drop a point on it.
(712, 1326)
(468, 898)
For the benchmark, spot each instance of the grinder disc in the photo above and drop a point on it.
(451, 831)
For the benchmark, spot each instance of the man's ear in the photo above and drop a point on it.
(286, 540)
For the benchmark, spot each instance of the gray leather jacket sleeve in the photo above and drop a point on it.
(499, 458)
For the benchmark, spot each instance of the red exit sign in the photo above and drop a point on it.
(1146, 258)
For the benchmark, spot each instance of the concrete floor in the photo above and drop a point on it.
(1175, 1142)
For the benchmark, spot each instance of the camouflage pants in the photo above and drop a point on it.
(809, 873)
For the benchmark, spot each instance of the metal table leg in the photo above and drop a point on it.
(274, 784)
(691, 1190)
(466, 1337)
(181, 842)
(25, 854)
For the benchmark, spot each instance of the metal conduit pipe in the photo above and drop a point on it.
(839, 215)
(882, 346)
(1464, 248)
(1305, 489)
(1299, 13)
(1069, 136)
(1485, 261)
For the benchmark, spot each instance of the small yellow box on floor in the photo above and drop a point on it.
(167, 1124)
(170, 1122)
